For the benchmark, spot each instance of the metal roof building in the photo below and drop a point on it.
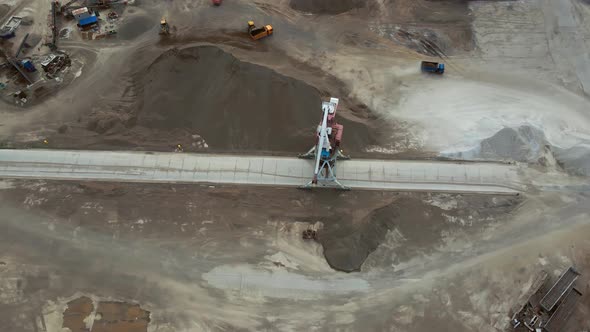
(88, 21)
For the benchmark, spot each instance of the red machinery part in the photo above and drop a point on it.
(337, 131)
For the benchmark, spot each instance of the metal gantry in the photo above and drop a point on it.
(327, 150)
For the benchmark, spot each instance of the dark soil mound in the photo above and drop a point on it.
(233, 105)
(347, 245)
(327, 6)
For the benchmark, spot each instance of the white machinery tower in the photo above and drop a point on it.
(327, 150)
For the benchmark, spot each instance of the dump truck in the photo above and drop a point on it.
(432, 67)
(257, 33)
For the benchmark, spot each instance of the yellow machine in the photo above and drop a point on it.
(257, 33)
(164, 27)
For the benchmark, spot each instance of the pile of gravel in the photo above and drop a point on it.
(575, 160)
(528, 144)
(523, 144)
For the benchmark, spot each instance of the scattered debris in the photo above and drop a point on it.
(65, 33)
(20, 98)
(54, 63)
(309, 234)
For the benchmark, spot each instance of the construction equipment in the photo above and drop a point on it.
(309, 234)
(257, 33)
(432, 67)
(164, 27)
(216, 2)
(28, 65)
(55, 62)
(19, 67)
(7, 31)
(327, 150)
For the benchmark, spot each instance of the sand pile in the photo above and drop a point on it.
(524, 143)
(233, 105)
(529, 144)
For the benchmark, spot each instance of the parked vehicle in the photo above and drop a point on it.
(433, 67)
(257, 33)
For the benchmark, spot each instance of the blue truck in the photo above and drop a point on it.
(432, 67)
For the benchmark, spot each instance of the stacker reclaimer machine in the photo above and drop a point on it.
(327, 150)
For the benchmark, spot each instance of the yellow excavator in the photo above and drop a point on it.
(257, 33)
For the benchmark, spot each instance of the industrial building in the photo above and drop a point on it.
(86, 19)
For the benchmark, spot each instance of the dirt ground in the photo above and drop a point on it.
(418, 226)
(144, 113)
(236, 106)
(115, 257)
(354, 226)
(148, 244)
